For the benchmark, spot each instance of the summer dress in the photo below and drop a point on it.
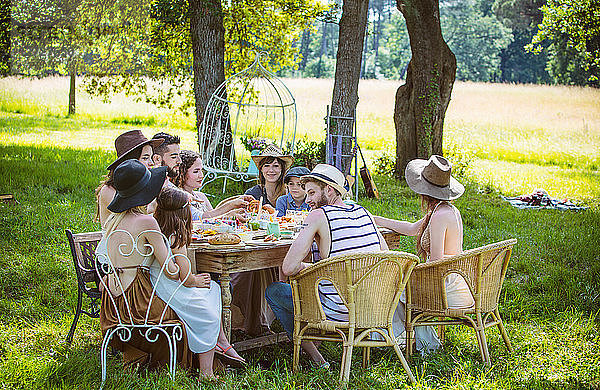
(201, 318)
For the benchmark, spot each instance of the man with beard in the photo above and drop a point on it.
(338, 229)
(167, 154)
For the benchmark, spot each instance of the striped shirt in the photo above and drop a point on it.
(352, 230)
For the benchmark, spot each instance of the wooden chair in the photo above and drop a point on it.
(484, 269)
(370, 285)
(83, 247)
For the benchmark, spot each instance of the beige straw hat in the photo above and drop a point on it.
(274, 151)
(328, 174)
(433, 177)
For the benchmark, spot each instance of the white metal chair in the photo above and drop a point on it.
(150, 328)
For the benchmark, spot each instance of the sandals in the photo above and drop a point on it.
(221, 353)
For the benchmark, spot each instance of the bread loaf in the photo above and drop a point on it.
(224, 239)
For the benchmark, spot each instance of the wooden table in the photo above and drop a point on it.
(227, 260)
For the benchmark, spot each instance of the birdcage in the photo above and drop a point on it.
(253, 108)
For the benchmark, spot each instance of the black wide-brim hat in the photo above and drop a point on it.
(136, 185)
(128, 142)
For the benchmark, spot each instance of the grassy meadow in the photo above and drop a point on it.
(512, 139)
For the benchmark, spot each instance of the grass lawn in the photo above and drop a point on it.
(550, 301)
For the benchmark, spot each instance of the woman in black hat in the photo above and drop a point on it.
(129, 145)
(129, 292)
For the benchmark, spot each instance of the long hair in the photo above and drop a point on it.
(280, 187)
(174, 216)
(188, 158)
(428, 204)
(108, 179)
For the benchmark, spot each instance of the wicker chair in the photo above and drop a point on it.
(484, 269)
(83, 246)
(370, 284)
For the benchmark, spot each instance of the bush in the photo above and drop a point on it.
(308, 153)
(385, 163)
(460, 159)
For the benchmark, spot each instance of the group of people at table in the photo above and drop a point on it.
(153, 186)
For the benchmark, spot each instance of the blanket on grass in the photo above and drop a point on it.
(539, 199)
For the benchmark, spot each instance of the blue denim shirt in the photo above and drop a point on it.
(286, 202)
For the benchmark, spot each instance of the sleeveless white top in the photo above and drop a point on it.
(352, 230)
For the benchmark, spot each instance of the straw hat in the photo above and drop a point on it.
(328, 174)
(129, 141)
(433, 177)
(136, 185)
(274, 151)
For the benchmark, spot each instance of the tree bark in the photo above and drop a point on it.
(353, 24)
(208, 50)
(72, 76)
(422, 101)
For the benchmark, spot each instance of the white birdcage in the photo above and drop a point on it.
(253, 103)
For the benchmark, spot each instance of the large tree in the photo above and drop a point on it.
(572, 29)
(422, 101)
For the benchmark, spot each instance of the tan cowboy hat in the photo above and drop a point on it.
(274, 151)
(327, 174)
(128, 142)
(433, 177)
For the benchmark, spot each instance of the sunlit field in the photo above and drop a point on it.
(511, 139)
(505, 128)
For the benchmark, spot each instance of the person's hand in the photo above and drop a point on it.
(239, 202)
(202, 280)
(247, 198)
(240, 215)
(194, 198)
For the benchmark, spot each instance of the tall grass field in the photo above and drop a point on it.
(508, 140)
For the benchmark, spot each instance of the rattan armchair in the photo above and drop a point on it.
(370, 285)
(483, 269)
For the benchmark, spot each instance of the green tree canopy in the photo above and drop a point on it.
(573, 29)
(250, 25)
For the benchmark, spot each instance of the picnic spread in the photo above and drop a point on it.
(169, 263)
(539, 199)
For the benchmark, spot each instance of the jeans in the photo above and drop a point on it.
(279, 297)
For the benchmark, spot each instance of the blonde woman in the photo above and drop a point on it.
(438, 234)
(128, 292)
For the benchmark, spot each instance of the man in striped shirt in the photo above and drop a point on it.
(337, 228)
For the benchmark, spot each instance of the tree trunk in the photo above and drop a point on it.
(304, 48)
(377, 35)
(422, 101)
(363, 66)
(72, 93)
(353, 24)
(208, 50)
(322, 51)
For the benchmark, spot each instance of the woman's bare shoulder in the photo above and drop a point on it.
(444, 212)
(107, 193)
